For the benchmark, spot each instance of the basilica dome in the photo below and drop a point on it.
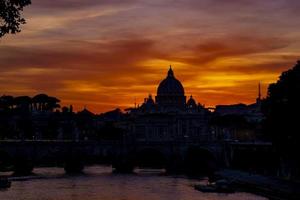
(170, 86)
(170, 93)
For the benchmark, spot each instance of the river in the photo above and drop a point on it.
(98, 183)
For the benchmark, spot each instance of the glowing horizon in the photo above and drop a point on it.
(109, 54)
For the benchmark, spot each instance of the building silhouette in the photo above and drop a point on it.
(238, 121)
(251, 112)
(169, 117)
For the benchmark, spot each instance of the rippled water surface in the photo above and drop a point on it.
(98, 183)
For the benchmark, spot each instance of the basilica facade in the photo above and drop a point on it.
(169, 116)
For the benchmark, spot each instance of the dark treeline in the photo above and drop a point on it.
(21, 104)
(282, 122)
(42, 118)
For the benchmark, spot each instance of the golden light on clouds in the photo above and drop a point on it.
(109, 54)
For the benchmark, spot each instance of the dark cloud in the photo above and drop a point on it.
(77, 4)
(76, 54)
(278, 66)
(104, 64)
(231, 46)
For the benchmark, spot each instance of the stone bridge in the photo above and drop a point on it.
(175, 157)
(22, 156)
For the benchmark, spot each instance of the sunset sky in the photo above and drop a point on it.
(105, 54)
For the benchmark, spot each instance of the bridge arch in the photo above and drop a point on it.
(150, 158)
(6, 161)
(199, 161)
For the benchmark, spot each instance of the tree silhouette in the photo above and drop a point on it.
(23, 103)
(43, 102)
(282, 108)
(6, 102)
(10, 15)
(52, 103)
(39, 102)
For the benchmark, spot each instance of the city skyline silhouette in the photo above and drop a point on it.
(259, 95)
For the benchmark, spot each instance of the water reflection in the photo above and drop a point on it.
(98, 183)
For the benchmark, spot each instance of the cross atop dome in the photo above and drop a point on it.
(170, 72)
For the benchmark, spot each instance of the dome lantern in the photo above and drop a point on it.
(170, 72)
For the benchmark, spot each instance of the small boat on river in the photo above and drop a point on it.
(221, 186)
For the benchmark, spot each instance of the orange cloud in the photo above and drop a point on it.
(106, 54)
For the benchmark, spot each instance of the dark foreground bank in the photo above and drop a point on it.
(270, 187)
